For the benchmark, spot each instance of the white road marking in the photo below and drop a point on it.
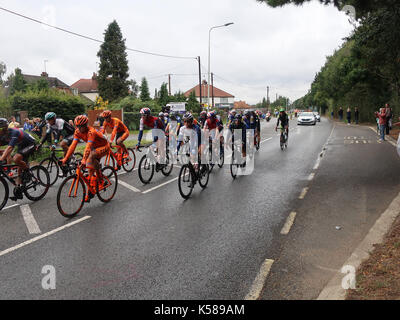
(311, 176)
(128, 186)
(317, 163)
(44, 235)
(9, 207)
(288, 224)
(259, 281)
(160, 185)
(29, 219)
(303, 193)
(357, 141)
(265, 140)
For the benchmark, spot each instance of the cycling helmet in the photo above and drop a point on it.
(166, 115)
(203, 114)
(246, 113)
(3, 123)
(282, 110)
(233, 112)
(81, 120)
(211, 114)
(161, 114)
(50, 115)
(106, 114)
(145, 111)
(188, 117)
(238, 117)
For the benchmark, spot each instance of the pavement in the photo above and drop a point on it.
(225, 242)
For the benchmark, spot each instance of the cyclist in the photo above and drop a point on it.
(284, 120)
(26, 146)
(231, 117)
(257, 118)
(238, 124)
(147, 120)
(202, 119)
(97, 146)
(213, 128)
(58, 127)
(193, 131)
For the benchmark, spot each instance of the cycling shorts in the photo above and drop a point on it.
(68, 140)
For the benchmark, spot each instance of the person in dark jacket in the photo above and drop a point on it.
(340, 113)
(348, 116)
(356, 115)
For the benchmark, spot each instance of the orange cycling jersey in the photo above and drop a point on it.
(95, 139)
(117, 126)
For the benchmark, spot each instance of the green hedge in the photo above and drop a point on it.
(37, 103)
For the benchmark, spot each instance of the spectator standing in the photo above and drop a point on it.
(13, 123)
(332, 114)
(340, 113)
(348, 116)
(356, 115)
(388, 117)
(382, 122)
(27, 125)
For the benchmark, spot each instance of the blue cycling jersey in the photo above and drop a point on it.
(17, 137)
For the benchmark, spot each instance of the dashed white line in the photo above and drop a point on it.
(317, 164)
(259, 281)
(303, 193)
(288, 224)
(311, 176)
(29, 219)
(160, 185)
(9, 207)
(44, 235)
(128, 186)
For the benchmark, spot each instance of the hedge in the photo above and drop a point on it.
(37, 103)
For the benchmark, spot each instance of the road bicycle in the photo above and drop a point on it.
(125, 158)
(190, 174)
(55, 170)
(73, 190)
(35, 183)
(221, 157)
(237, 161)
(283, 139)
(149, 164)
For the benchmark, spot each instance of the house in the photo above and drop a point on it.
(52, 81)
(87, 88)
(222, 99)
(241, 105)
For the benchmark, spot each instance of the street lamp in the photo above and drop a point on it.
(209, 50)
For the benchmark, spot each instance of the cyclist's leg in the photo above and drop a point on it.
(66, 143)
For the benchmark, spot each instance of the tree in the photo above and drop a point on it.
(193, 105)
(134, 88)
(3, 70)
(113, 73)
(17, 82)
(163, 97)
(144, 90)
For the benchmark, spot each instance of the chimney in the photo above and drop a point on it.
(44, 74)
(94, 77)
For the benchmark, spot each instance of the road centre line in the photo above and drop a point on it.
(288, 224)
(259, 281)
(29, 219)
(303, 193)
(311, 176)
(44, 235)
(317, 163)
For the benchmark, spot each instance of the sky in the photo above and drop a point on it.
(282, 48)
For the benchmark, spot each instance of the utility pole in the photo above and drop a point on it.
(169, 84)
(212, 89)
(198, 59)
(268, 97)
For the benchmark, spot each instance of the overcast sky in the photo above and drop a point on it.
(282, 48)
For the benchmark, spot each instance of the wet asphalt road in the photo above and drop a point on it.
(153, 245)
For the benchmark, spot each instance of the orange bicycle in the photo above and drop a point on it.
(72, 191)
(120, 158)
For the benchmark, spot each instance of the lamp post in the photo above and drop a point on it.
(209, 51)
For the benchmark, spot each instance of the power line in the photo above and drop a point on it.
(90, 38)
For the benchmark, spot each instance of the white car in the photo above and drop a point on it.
(306, 118)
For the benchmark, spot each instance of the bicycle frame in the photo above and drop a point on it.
(79, 175)
(3, 168)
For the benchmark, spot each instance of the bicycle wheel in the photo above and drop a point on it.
(71, 196)
(282, 142)
(146, 170)
(4, 192)
(108, 186)
(167, 169)
(129, 160)
(221, 160)
(108, 160)
(204, 175)
(185, 181)
(35, 183)
(52, 168)
(234, 166)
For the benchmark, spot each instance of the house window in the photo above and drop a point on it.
(224, 100)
